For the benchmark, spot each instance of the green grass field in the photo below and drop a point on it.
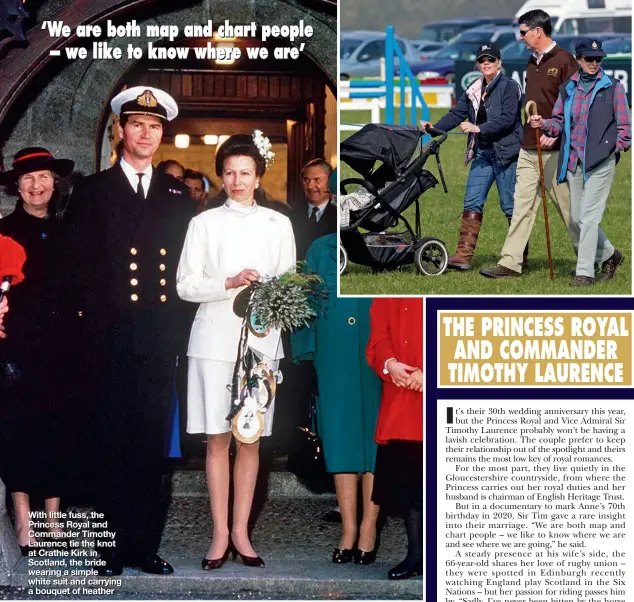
(441, 218)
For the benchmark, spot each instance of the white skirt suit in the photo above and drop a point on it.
(220, 243)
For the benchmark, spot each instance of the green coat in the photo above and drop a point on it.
(349, 390)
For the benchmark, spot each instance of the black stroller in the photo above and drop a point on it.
(395, 184)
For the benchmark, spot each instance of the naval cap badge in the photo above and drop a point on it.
(147, 99)
(595, 45)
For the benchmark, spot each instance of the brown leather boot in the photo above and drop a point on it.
(525, 256)
(469, 231)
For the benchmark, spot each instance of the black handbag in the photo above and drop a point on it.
(9, 375)
(306, 453)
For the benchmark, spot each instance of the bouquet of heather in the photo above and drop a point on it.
(287, 302)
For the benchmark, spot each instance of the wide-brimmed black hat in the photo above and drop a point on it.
(590, 48)
(35, 158)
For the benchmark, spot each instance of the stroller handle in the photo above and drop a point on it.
(367, 185)
(437, 132)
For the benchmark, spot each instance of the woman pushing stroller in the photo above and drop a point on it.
(492, 104)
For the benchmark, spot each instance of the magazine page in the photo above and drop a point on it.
(157, 432)
(478, 171)
(531, 486)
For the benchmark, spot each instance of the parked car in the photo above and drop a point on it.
(361, 52)
(488, 33)
(442, 67)
(443, 31)
(517, 50)
(618, 46)
(426, 49)
(578, 17)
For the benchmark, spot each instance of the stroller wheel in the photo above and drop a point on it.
(343, 260)
(431, 257)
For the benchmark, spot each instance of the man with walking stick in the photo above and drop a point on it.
(548, 67)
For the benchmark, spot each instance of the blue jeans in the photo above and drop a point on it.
(483, 173)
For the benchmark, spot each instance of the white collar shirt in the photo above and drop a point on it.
(320, 209)
(131, 174)
(538, 55)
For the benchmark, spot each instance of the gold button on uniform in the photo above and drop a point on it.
(163, 298)
(162, 267)
(352, 321)
(163, 252)
(134, 267)
(134, 297)
(133, 251)
(134, 282)
(163, 282)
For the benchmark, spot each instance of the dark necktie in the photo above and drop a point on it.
(139, 187)
(313, 215)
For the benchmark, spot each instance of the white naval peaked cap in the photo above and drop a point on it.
(145, 100)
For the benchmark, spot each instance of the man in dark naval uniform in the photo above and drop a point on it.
(126, 227)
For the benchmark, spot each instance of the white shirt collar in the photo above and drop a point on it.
(320, 209)
(131, 174)
(538, 55)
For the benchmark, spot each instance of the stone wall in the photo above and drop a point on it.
(62, 107)
(9, 551)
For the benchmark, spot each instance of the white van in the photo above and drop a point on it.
(585, 16)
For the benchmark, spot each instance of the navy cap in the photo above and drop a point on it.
(590, 48)
(143, 100)
(489, 49)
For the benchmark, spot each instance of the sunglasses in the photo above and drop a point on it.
(523, 32)
(592, 59)
(486, 59)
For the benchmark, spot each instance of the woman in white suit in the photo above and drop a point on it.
(226, 249)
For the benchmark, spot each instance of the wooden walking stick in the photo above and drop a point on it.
(531, 109)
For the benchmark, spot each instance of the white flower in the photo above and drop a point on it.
(263, 144)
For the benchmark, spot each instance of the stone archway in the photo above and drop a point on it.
(62, 108)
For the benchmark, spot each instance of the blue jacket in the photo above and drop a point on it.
(503, 108)
(602, 137)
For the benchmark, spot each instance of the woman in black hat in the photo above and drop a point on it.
(227, 248)
(36, 435)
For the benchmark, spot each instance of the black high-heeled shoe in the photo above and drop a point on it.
(363, 557)
(27, 549)
(209, 564)
(405, 570)
(253, 561)
(344, 556)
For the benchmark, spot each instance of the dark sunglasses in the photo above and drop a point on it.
(486, 59)
(523, 32)
(592, 59)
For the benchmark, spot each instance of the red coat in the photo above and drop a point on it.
(397, 331)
